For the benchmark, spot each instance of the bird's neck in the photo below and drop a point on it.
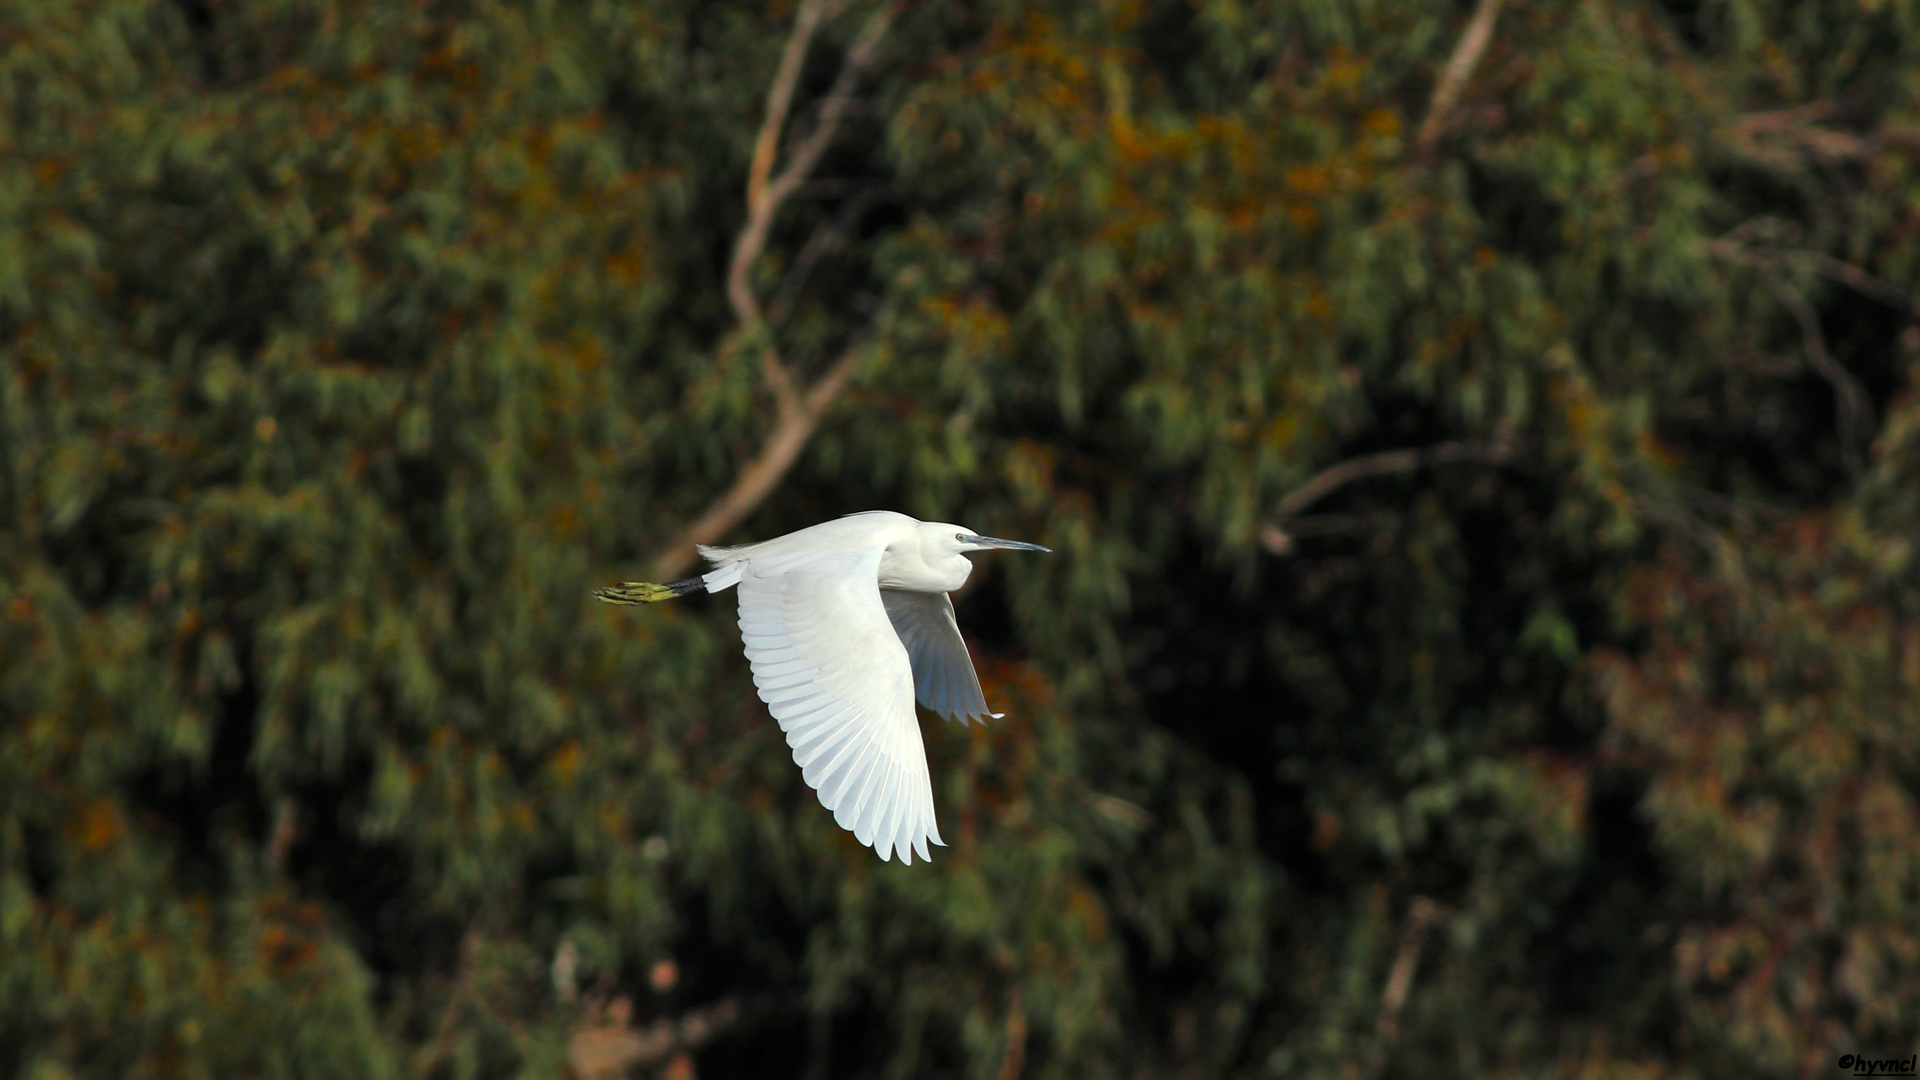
(905, 567)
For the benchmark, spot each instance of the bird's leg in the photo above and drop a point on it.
(646, 592)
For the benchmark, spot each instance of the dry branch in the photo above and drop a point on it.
(1793, 140)
(1015, 1057)
(784, 443)
(1860, 281)
(1421, 916)
(1453, 77)
(830, 236)
(442, 1044)
(612, 1048)
(1273, 533)
(1735, 246)
(1852, 408)
(796, 410)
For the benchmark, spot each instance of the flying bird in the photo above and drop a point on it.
(845, 624)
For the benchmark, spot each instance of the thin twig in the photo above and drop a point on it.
(1015, 1056)
(1858, 280)
(1791, 117)
(1789, 137)
(1453, 77)
(286, 829)
(1421, 915)
(831, 235)
(1851, 406)
(1734, 246)
(442, 1043)
(1273, 534)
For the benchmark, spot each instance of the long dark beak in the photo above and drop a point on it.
(1011, 545)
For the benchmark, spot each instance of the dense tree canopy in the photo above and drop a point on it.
(1481, 444)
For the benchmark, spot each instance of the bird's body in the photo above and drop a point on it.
(845, 623)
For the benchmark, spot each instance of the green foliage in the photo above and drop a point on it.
(346, 348)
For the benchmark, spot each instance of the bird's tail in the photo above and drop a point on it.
(646, 592)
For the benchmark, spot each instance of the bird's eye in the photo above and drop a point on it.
(962, 537)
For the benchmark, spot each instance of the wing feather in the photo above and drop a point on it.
(943, 676)
(887, 796)
(903, 839)
(806, 711)
(832, 756)
(809, 733)
(857, 761)
(837, 676)
(818, 744)
(857, 810)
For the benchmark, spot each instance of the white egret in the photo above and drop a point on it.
(845, 624)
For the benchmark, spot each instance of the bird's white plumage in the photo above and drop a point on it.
(943, 676)
(845, 623)
(837, 678)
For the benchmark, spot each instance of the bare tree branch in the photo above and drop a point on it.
(442, 1044)
(757, 479)
(833, 109)
(797, 410)
(1856, 279)
(1793, 135)
(1453, 77)
(1273, 534)
(1793, 139)
(765, 195)
(1851, 407)
(1421, 915)
(611, 1048)
(830, 236)
(760, 207)
(1734, 246)
(1014, 1059)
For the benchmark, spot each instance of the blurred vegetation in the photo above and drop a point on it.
(1484, 638)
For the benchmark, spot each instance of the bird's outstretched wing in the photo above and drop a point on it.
(834, 674)
(943, 675)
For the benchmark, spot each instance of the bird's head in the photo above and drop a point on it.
(948, 538)
(944, 547)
